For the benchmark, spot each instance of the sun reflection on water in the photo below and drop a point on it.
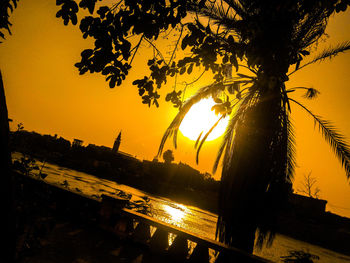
(175, 216)
(176, 213)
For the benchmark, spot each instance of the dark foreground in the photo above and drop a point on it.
(54, 225)
(67, 242)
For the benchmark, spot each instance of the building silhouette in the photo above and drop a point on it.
(117, 143)
(77, 143)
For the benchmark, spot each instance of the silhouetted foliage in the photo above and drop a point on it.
(270, 39)
(6, 7)
(7, 222)
(168, 156)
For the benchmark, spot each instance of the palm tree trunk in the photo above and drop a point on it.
(6, 190)
(246, 179)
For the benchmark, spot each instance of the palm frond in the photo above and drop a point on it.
(227, 142)
(327, 53)
(237, 7)
(309, 29)
(206, 136)
(291, 149)
(333, 137)
(175, 124)
(309, 26)
(220, 16)
(311, 93)
(198, 139)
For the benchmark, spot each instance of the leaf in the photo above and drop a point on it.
(190, 68)
(304, 52)
(59, 13)
(182, 70)
(83, 70)
(168, 97)
(107, 70)
(156, 103)
(141, 92)
(102, 11)
(184, 42)
(91, 7)
(87, 53)
(74, 19)
(150, 62)
(112, 82)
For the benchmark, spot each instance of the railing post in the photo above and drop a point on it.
(200, 254)
(178, 250)
(124, 226)
(222, 258)
(111, 218)
(142, 233)
(159, 241)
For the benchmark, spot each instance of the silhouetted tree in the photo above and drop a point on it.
(168, 156)
(308, 186)
(6, 191)
(265, 38)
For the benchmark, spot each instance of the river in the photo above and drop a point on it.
(190, 218)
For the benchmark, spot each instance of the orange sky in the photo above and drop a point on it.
(45, 92)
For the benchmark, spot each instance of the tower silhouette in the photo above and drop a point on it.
(117, 143)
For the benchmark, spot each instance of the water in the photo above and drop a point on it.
(191, 218)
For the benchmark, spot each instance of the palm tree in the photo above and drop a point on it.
(264, 37)
(258, 147)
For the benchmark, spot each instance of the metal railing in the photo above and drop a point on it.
(134, 229)
(137, 227)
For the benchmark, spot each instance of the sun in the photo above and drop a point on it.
(200, 118)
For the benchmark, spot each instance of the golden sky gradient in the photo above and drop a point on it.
(45, 92)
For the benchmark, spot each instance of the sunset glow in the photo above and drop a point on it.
(201, 118)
